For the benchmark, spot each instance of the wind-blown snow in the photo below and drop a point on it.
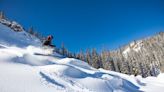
(23, 71)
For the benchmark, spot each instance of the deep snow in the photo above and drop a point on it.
(23, 71)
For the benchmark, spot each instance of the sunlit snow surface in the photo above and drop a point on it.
(23, 71)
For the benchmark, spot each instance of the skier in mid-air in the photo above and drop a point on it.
(48, 41)
(48, 47)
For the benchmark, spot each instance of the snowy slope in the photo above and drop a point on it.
(21, 39)
(23, 71)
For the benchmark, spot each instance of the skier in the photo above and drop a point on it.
(48, 41)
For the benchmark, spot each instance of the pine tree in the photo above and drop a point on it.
(81, 56)
(88, 56)
(105, 59)
(2, 16)
(77, 56)
(96, 59)
(31, 30)
(63, 50)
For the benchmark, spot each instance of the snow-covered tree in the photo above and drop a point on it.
(88, 56)
(96, 60)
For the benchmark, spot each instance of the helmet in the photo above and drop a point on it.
(50, 37)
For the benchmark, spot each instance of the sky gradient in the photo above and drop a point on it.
(81, 24)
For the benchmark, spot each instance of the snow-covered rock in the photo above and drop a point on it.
(12, 24)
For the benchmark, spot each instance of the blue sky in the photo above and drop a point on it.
(82, 24)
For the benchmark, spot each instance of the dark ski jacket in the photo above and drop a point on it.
(48, 41)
